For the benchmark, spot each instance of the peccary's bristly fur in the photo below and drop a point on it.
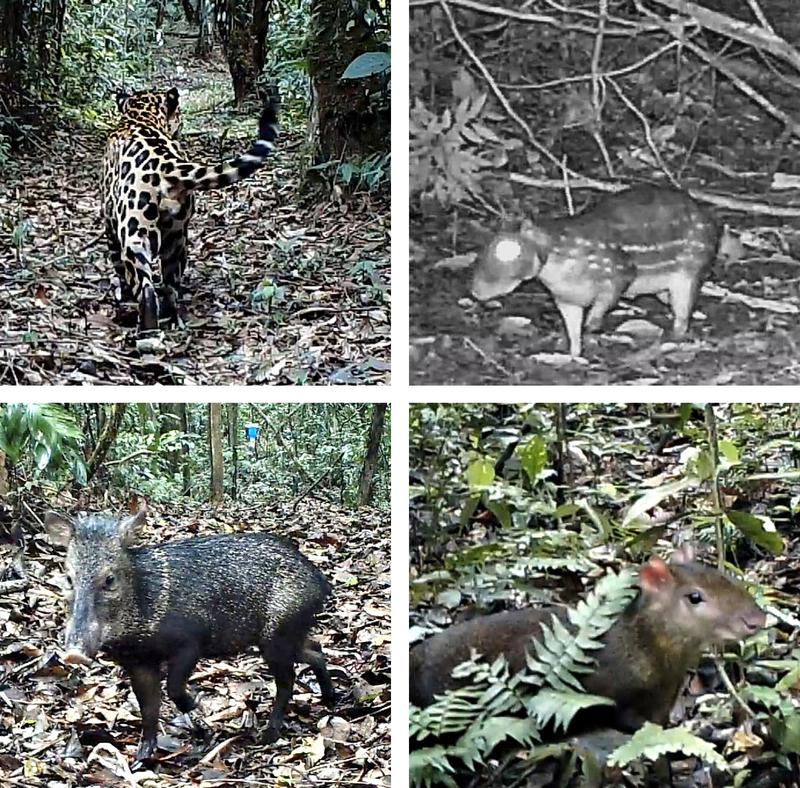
(177, 602)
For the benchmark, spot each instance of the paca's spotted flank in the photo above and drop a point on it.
(647, 239)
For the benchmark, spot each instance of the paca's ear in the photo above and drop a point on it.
(538, 238)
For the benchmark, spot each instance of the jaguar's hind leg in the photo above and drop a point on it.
(143, 272)
(120, 288)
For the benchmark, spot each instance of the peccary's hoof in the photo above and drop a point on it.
(146, 749)
(271, 735)
(144, 754)
(329, 699)
(202, 731)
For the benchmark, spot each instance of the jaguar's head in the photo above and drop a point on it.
(161, 110)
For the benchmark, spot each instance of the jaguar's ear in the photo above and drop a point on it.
(122, 97)
(173, 99)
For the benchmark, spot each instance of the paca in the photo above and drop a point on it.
(647, 239)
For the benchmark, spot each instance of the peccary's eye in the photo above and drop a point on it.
(109, 582)
(695, 597)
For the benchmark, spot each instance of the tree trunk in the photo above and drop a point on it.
(343, 124)
(106, 440)
(366, 484)
(235, 25)
(189, 11)
(184, 426)
(233, 445)
(215, 444)
(261, 9)
(205, 15)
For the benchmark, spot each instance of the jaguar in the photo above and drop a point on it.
(148, 190)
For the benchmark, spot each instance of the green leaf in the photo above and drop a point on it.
(760, 530)
(729, 451)
(533, 457)
(368, 64)
(655, 496)
(652, 741)
(480, 474)
(704, 465)
(500, 511)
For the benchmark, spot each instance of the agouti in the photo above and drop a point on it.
(647, 239)
(682, 608)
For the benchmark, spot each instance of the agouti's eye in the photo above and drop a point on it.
(695, 597)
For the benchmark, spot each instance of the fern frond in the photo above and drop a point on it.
(560, 706)
(652, 741)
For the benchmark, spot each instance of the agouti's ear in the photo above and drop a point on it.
(654, 576)
(683, 555)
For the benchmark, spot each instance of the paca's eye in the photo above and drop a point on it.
(695, 597)
(507, 250)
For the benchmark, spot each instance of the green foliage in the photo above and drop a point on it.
(46, 436)
(106, 44)
(562, 655)
(652, 741)
(451, 150)
(369, 173)
(270, 298)
(297, 444)
(287, 47)
(368, 64)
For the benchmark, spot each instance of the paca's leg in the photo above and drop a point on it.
(607, 298)
(682, 295)
(573, 322)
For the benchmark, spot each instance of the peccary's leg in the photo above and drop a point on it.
(179, 667)
(146, 685)
(279, 654)
(312, 655)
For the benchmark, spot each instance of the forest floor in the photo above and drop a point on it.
(81, 726)
(330, 322)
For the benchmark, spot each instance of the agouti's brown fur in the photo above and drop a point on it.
(683, 607)
(647, 239)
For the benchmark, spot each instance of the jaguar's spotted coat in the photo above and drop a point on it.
(148, 195)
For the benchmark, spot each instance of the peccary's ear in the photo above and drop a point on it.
(59, 528)
(683, 555)
(128, 526)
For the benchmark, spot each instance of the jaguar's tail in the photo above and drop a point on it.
(189, 177)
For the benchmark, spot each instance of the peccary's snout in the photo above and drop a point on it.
(82, 638)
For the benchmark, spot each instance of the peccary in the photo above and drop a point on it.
(177, 602)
